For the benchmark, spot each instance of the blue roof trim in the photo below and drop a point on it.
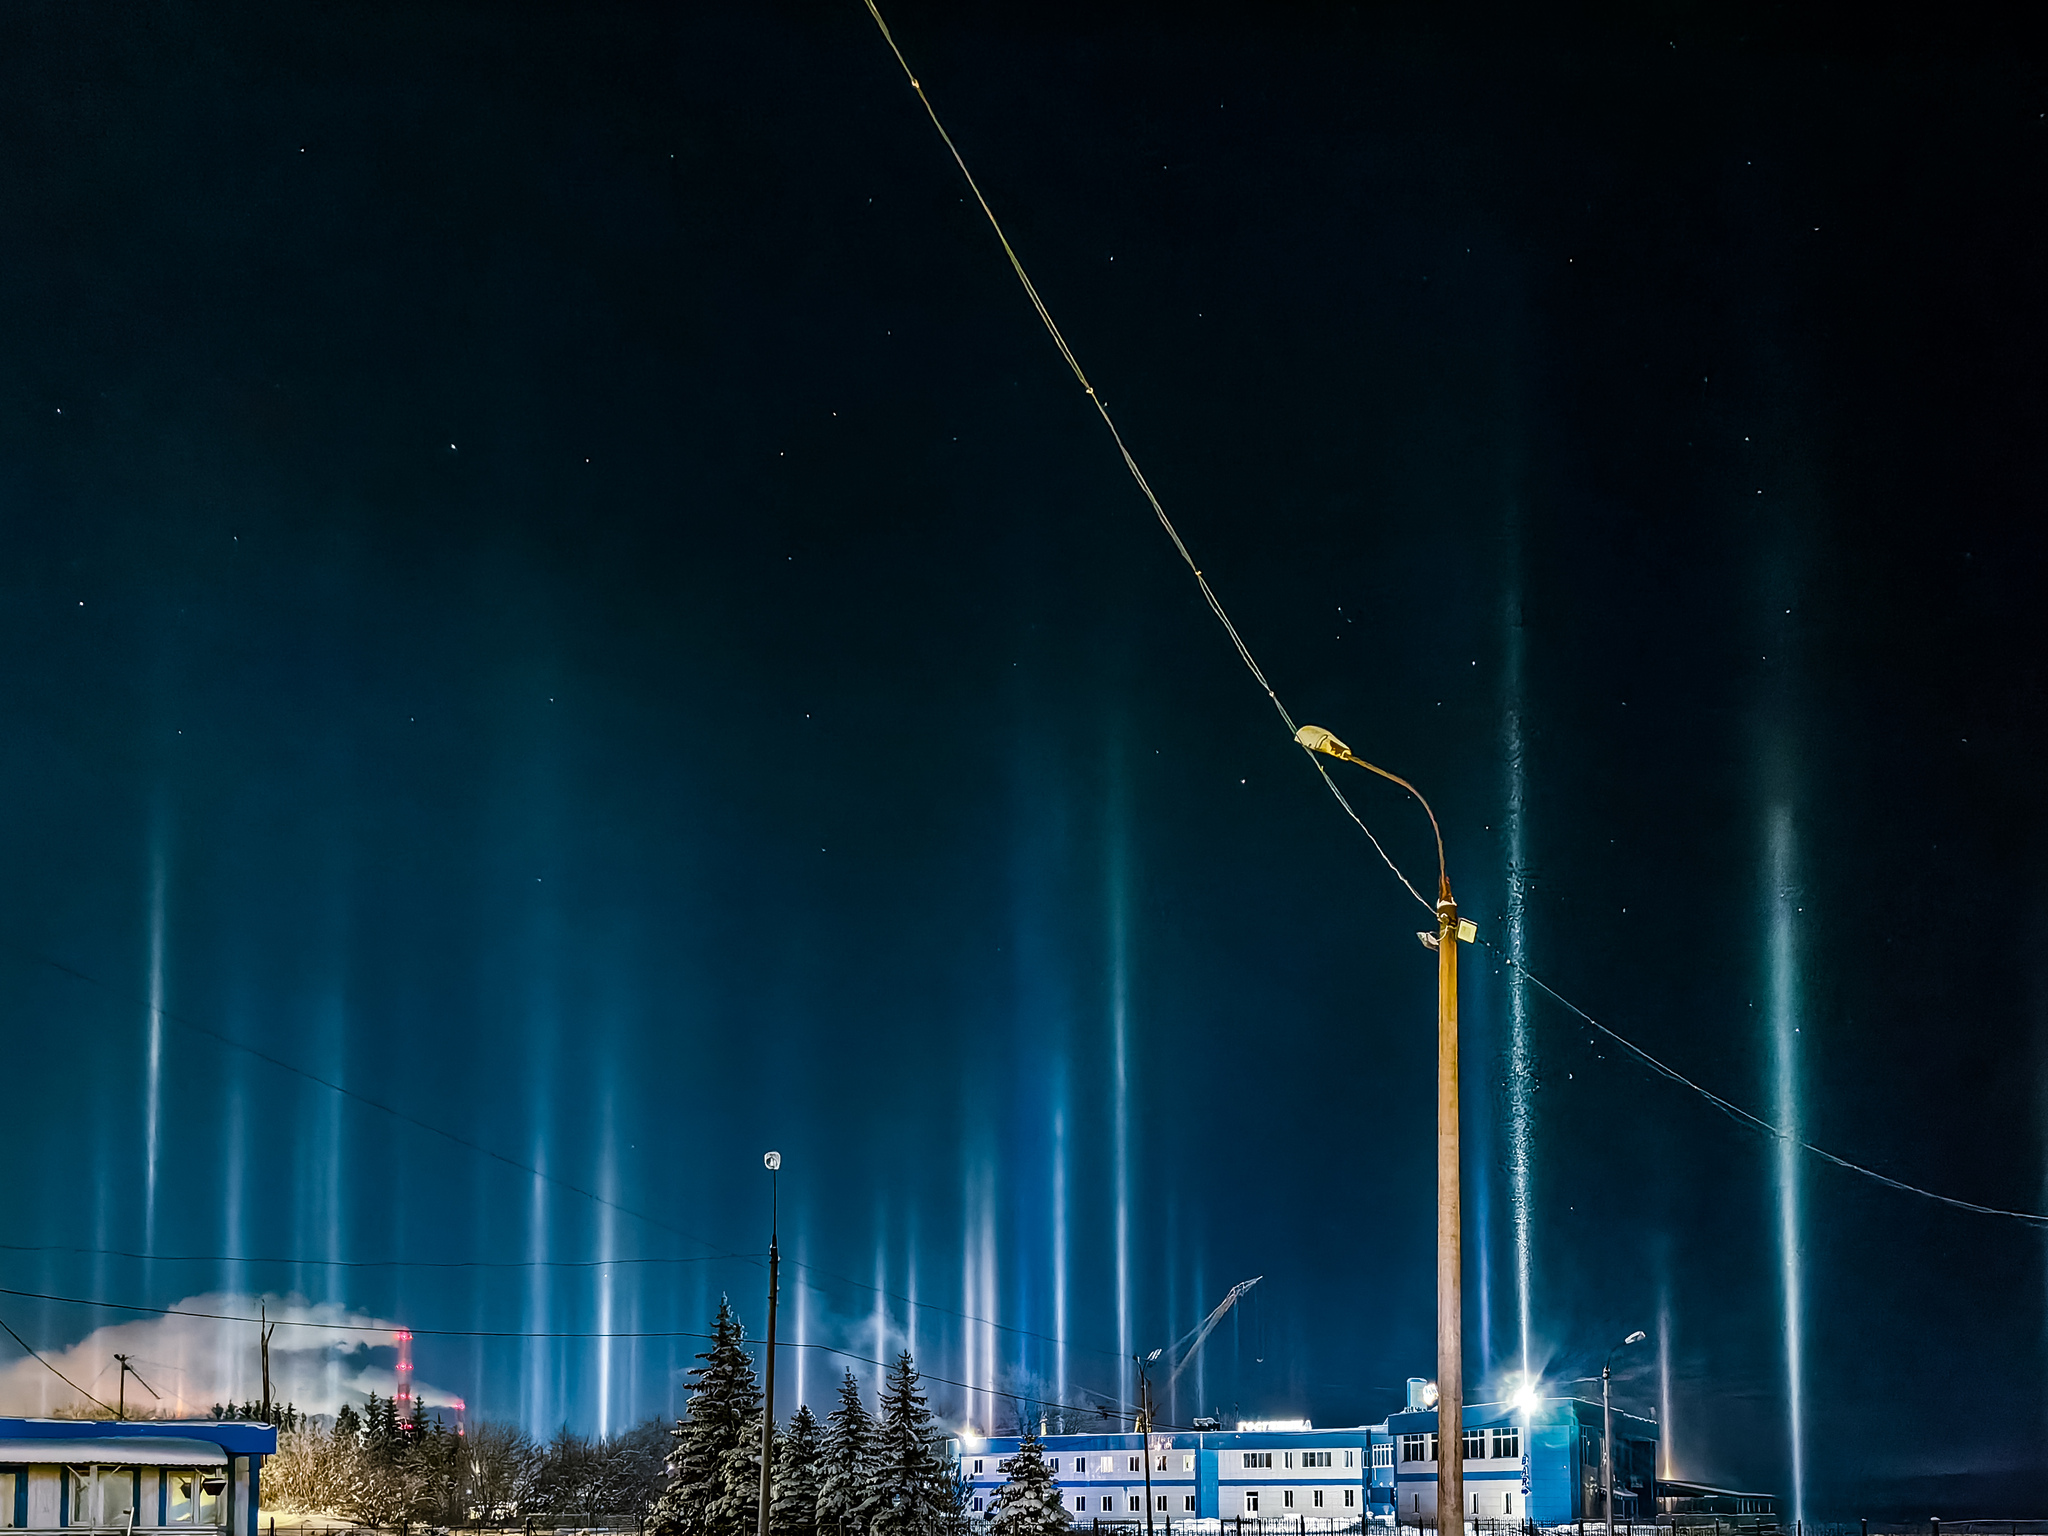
(237, 1437)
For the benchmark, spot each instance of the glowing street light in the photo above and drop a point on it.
(1451, 930)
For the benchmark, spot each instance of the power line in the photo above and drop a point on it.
(1743, 1117)
(491, 1333)
(1244, 652)
(184, 1021)
(226, 1258)
(1130, 462)
(39, 1360)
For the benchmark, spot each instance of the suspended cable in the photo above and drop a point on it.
(1244, 652)
(39, 1360)
(1742, 1116)
(491, 1333)
(197, 1027)
(1130, 463)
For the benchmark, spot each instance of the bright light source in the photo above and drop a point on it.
(771, 1160)
(1636, 1338)
(1429, 1395)
(1525, 1398)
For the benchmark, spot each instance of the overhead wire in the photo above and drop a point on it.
(490, 1333)
(1244, 652)
(39, 1360)
(187, 1022)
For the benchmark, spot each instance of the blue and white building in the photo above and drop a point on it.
(1537, 1462)
(197, 1479)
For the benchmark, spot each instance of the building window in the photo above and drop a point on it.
(1187, 1463)
(1052, 1463)
(1159, 1501)
(1102, 1463)
(1507, 1503)
(1287, 1458)
(1187, 1502)
(1162, 1465)
(1317, 1498)
(977, 1504)
(1320, 1458)
(1507, 1442)
(1350, 1498)
(1418, 1447)
(977, 1463)
(1287, 1498)
(1134, 1467)
(1475, 1445)
(1132, 1504)
(1251, 1501)
(1383, 1454)
(1349, 1458)
(1259, 1459)
(1080, 1501)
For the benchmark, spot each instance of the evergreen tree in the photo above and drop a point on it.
(913, 1483)
(1029, 1503)
(348, 1426)
(707, 1449)
(793, 1503)
(846, 1465)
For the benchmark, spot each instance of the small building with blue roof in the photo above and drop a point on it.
(200, 1478)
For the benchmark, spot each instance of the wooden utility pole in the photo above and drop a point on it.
(1450, 1288)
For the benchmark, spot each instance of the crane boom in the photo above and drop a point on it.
(1208, 1326)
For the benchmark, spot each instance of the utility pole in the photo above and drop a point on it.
(1607, 1431)
(121, 1400)
(265, 1328)
(1451, 931)
(773, 1163)
(1145, 1429)
(1450, 1253)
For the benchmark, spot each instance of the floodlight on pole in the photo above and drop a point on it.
(1451, 931)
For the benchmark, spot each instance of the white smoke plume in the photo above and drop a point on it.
(195, 1362)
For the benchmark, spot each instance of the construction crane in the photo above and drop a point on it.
(1191, 1343)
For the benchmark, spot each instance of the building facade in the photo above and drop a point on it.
(1540, 1463)
(66, 1475)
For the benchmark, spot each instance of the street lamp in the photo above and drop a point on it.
(1145, 1428)
(1607, 1427)
(1450, 1297)
(772, 1161)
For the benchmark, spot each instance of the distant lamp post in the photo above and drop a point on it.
(1607, 1427)
(1451, 931)
(772, 1161)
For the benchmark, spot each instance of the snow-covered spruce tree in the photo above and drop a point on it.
(914, 1491)
(793, 1503)
(846, 1465)
(724, 1398)
(1028, 1503)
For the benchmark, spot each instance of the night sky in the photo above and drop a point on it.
(564, 626)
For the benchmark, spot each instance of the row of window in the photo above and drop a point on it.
(1264, 1459)
(106, 1496)
(1106, 1502)
(1251, 1498)
(1500, 1441)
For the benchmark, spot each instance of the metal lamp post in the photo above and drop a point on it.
(1607, 1429)
(1451, 930)
(772, 1161)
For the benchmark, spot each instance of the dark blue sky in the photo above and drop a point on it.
(554, 582)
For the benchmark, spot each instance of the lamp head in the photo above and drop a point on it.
(1525, 1397)
(1316, 739)
(1636, 1338)
(1429, 1395)
(771, 1161)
